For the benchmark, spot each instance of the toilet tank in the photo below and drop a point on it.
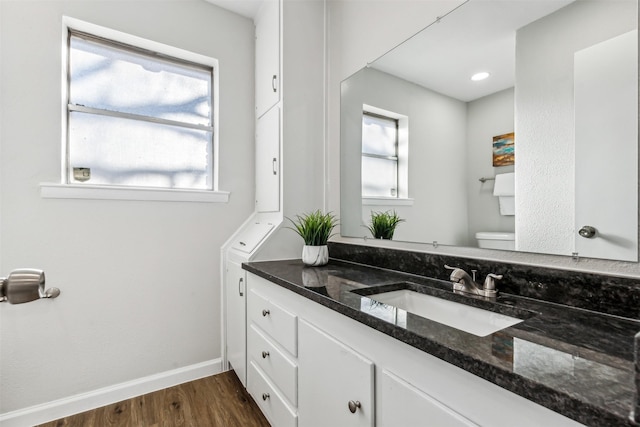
(496, 240)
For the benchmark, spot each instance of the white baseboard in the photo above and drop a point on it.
(60, 408)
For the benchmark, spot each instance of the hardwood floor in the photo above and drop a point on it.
(216, 401)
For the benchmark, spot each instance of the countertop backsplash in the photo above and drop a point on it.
(618, 296)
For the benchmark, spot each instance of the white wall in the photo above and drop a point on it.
(487, 117)
(545, 185)
(139, 280)
(437, 132)
(359, 32)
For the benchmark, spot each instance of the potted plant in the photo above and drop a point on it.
(383, 224)
(315, 229)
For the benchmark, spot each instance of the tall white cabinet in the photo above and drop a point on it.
(290, 124)
(246, 241)
(268, 97)
(268, 84)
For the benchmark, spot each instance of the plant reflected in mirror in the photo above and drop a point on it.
(383, 224)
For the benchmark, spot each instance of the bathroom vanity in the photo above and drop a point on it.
(323, 350)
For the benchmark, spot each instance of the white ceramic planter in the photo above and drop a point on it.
(315, 256)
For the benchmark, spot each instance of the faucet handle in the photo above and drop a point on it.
(490, 281)
(450, 268)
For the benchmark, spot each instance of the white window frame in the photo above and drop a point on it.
(67, 190)
(402, 195)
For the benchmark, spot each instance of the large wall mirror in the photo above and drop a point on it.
(541, 156)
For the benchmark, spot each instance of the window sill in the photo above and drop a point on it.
(71, 191)
(386, 201)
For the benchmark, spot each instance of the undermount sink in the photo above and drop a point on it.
(466, 318)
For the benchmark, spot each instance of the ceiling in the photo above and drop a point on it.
(247, 8)
(479, 36)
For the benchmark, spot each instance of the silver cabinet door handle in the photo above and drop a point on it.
(265, 396)
(273, 83)
(240, 287)
(354, 406)
(275, 166)
(265, 354)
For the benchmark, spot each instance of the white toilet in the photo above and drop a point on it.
(496, 240)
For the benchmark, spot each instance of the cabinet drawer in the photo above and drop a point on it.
(280, 324)
(271, 403)
(278, 367)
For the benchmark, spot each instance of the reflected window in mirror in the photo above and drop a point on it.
(379, 156)
(384, 154)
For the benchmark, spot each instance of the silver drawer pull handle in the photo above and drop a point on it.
(354, 406)
(265, 396)
(265, 354)
(265, 312)
(273, 83)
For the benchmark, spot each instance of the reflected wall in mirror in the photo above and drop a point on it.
(563, 77)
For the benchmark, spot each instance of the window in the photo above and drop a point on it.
(379, 156)
(138, 117)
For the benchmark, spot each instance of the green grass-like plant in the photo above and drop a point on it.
(383, 224)
(315, 228)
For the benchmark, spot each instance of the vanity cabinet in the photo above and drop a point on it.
(235, 295)
(335, 382)
(268, 82)
(324, 361)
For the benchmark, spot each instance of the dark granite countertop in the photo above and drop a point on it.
(576, 362)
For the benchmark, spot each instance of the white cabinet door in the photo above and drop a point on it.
(267, 56)
(401, 404)
(268, 161)
(335, 384)
(236, 291)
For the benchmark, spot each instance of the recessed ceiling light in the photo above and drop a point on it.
(480, 76)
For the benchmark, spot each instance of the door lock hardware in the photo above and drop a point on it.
(25, 285)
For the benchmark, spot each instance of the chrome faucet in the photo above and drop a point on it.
(462, 282)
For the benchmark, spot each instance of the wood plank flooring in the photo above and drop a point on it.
(216, 401)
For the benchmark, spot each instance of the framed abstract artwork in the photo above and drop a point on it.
(503, 149)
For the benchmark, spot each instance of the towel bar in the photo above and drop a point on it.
(484, 179)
